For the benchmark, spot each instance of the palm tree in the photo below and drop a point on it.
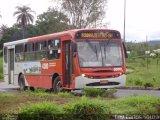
(24, 16)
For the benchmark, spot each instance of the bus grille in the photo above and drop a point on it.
(104, 84)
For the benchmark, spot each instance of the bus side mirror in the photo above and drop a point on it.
(74, 47)
(125, 51)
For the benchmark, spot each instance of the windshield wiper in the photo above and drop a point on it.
(105, 45)
(101, 54)
(96, 52)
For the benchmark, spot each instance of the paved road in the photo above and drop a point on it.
(5, 88)
(125, 92)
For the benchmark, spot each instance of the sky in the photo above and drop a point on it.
(142, 16)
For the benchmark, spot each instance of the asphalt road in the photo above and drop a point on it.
(126, 92)
(5, 88)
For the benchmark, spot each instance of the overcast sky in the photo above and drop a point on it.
(142, 16)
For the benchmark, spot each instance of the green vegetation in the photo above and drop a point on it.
(142, 105)
(43, 110)
(94, 92)
(1, 69)
(143, 75)
(88, 109)
(67, 16)
(29, 105)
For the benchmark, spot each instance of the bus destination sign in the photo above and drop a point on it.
(97, 35)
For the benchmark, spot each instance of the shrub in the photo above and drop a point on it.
(94, 92)
(130, 80)
(42, 111)
(138, 82)
(109, 93)
(1, 69)
(154, 79)
(87, 109)
(148, 84)
(1, 77)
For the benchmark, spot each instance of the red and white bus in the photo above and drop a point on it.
(71, 60)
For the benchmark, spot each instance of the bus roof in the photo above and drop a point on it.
(48, 36)
(68, 32)
(15, 42)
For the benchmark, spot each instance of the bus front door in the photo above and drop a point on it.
(11, 66)
(67, 63)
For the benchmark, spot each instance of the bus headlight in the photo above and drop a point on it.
(83, 75)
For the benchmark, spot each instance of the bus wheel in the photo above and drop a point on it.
(57, 85)
(21, 83)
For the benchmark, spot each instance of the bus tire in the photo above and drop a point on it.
(21, 83)
(31, 88)
(57, 85)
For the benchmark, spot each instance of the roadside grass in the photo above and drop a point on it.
(88, 109)
(11, 103)
(141, 76)
(16, 102)
(65, 94)
(138, 105)
(42, 110)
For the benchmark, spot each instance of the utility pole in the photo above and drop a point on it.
(124, 27)
(147, 50)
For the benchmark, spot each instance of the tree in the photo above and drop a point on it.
(24, 16)
(7, 34)
(51, 21)
(84, 13)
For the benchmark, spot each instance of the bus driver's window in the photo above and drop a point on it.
(54, 49)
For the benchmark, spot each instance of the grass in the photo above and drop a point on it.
(141, 75)
(43, 110)
(88, 109)
(17, 102)
(11, 103)
(135, 105)
(94, 92)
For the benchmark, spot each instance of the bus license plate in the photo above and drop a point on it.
(103, 81)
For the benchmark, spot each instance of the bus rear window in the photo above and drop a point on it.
(5, 55)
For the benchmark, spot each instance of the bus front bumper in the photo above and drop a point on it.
(82, 82)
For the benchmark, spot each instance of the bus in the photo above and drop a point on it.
(67, 60)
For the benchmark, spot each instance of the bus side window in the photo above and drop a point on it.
(54, 49)
(5, 54)
(19, 52)
(41, 50)
(29, 51)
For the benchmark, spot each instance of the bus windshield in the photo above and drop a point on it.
(99, 53)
